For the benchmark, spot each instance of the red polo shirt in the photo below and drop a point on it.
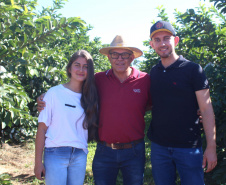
(122, 106)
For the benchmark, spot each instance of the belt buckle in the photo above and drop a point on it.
(116, 146)
(113, 146)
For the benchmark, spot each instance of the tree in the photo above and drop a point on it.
(220, 5)
(35, 48)
(203, 40)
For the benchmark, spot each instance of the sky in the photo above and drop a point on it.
(130, 18)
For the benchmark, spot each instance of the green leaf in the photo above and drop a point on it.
(22, 61)
(25, 9)
(25, 38)
(7, 118)
(29, 23)
(48, 24)
(17, 7)
(53, 69)
(23, 51)
(46, 17)
(11, 42)
(63, 20)
(55, 23)
(34, 72)
(3, 125)
(41, 29)
(34, 34)
(22, 69)
(12, 2)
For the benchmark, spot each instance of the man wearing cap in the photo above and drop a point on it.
(178, 88)
(124, 94)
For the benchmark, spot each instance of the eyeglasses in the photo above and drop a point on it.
(123, 55)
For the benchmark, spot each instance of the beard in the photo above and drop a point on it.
(164, 55)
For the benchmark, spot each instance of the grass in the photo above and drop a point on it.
(89, 173)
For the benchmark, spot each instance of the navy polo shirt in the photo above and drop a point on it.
(175, 121)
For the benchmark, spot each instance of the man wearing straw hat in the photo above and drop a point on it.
(124, 94)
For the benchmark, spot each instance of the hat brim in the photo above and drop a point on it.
(137, 52)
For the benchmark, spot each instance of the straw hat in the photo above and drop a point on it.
(119, 43)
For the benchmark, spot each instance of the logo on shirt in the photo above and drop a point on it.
(68, 105)
(136, 90)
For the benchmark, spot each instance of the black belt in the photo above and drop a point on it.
(122, 145)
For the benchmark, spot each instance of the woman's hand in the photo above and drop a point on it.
(39, 171)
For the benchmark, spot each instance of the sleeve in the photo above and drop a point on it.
(199, 79)
(45, 115)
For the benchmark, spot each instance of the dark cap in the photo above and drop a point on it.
(162, 26)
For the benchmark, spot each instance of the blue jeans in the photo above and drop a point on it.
(107, 162)
(64, 166)
(187, 161)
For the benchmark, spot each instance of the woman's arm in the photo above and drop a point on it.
(39, 146)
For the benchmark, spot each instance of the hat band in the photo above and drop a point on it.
(154, 32)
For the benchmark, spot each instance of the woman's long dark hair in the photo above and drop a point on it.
(89, 99)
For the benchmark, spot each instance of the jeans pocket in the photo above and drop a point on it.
(139, 149)
(100, 148)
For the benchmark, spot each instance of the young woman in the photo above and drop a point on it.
(68, 121)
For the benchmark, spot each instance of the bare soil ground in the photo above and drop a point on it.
(18, 162)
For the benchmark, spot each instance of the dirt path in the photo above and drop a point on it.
(18, 162)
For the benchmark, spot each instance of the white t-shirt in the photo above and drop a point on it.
(63, 115)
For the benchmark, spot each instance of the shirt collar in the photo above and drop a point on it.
(176, 64)
(135, 73)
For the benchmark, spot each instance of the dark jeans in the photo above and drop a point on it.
(187, 161)
(107, 162)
